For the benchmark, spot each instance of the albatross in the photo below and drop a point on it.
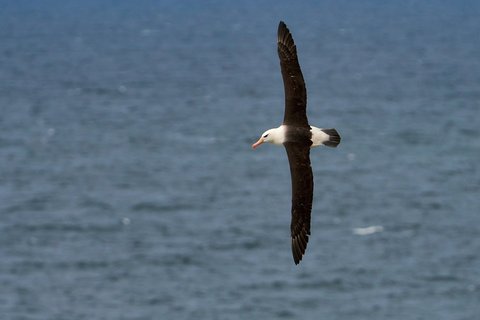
(298, 137)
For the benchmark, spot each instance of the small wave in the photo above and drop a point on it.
(158, 207)
(62, 227)
(180, 137)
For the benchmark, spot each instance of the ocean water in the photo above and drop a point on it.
(128, 188)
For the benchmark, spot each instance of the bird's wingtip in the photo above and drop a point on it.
(282, 27)
(299, 246)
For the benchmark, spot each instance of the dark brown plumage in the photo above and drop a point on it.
(299, 141)
(302, 196)
(295, 91)
(298, 137)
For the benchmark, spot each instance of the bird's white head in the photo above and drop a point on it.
(275, 136)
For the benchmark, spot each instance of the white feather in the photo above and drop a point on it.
(318, 136)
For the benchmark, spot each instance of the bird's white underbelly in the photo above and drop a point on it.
(318, 136)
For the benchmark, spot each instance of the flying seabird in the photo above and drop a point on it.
(297, 136)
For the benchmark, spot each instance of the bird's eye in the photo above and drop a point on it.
(265, 135)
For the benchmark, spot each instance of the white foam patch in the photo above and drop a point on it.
(367, 230)
(122, 89)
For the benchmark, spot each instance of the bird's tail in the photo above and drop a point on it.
(333, 138)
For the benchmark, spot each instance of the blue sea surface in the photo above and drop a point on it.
(129, 190)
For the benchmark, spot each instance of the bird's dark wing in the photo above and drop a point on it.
(302, 195)
(295, 92)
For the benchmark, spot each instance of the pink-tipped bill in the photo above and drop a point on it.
(256, 144)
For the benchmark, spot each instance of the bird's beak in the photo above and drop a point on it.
(259, 142)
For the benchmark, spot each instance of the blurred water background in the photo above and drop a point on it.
(128, 188)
